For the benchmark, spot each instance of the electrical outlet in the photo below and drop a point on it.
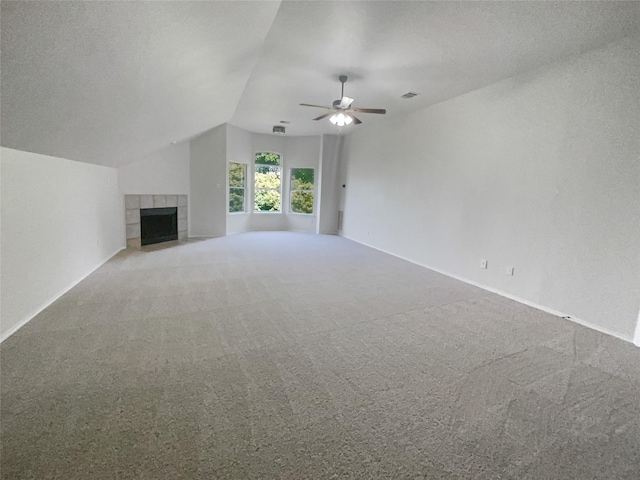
(483, 264)
(510, 271)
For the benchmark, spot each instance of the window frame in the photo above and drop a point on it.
(279, 190)
(292, 190)
(244, 188)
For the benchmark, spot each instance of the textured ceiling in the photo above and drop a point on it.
(108, 82)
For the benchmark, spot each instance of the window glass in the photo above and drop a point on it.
(267, 183)
(237, 183)
(302, 180)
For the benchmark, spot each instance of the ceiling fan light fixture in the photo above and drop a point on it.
(340, 119)
(340, 112)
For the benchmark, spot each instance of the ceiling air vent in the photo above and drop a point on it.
(278, 129)
(410, 95)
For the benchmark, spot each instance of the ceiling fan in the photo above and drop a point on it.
(341, 111)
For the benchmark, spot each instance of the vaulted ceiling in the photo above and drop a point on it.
(108, 82)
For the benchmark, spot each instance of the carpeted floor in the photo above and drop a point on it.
(284, 355)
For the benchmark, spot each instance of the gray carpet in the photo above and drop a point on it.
(284, 355)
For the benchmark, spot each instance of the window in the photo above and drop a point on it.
(267, 182)
(237, 184)
(302, 190)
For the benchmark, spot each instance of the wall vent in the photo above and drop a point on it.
(278, 129)
(410, 95)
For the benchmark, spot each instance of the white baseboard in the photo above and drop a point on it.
(55, 297)
(21, 324)
(277, 230)
(584, 323)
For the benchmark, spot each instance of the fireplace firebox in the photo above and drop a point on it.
(158, 225)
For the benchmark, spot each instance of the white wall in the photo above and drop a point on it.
(296, 152)
(540, 172)
(163, 172)
(240, 150)
(60, 221)
(302, 152)
(208, 184)
(329, 187)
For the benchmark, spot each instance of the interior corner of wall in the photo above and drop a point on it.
(636, 338)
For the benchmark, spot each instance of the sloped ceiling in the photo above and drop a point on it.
(108, 82)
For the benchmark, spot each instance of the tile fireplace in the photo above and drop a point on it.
(155, 218)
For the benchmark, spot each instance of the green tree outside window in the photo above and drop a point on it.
(237, 183)
(302, 180)
(267, 182)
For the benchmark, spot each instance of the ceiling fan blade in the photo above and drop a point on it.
(346, 102)
(369, 110)
(356, 120)
(323, 116)
(318, 106)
